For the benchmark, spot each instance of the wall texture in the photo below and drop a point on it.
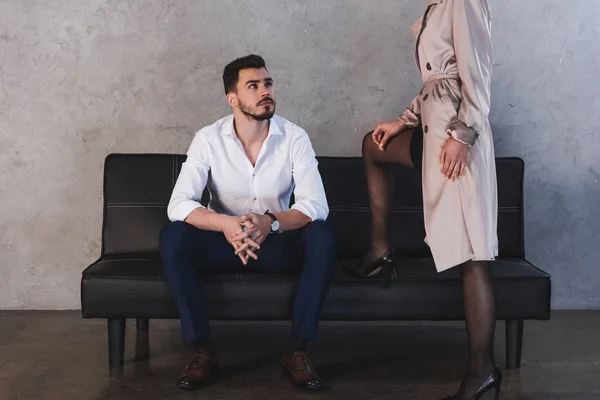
(79, 80)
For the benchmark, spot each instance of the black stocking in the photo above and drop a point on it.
(380, 183)
(480, 316)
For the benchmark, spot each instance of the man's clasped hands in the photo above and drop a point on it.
(246, 233)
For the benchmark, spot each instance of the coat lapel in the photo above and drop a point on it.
(418, 28)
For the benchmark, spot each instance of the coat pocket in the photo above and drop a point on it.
(450, 105)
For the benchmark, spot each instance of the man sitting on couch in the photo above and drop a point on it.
(251, 162)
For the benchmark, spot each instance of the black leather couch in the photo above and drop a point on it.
(127, 281)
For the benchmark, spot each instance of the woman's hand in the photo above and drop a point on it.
(453, 160)
(385, 131)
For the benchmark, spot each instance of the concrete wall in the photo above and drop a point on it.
(79, 80)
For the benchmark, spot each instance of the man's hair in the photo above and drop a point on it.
(231, 73)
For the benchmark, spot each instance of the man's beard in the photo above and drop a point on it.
(250, 112)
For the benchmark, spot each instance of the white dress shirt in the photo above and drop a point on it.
(216, 159)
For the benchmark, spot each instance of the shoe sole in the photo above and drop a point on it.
(211, 378)
(300, 385)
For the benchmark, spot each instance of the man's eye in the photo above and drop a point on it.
(269, 84)
(253, 86)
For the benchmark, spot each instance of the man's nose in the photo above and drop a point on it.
(267, 91)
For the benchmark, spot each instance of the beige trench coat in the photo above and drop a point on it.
(454, 56)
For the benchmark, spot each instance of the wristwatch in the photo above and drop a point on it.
(274, 222)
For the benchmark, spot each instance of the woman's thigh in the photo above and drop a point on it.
(405, 149)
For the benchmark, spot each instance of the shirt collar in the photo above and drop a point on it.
(273, 128)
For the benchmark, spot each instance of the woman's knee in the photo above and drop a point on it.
(368, 146)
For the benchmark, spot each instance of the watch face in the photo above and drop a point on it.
(275, 226)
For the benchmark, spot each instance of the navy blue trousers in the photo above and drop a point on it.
(186, 249)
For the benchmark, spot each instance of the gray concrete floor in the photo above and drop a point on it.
(58, 355)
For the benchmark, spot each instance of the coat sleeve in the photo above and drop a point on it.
(412, 115)
(471, 28)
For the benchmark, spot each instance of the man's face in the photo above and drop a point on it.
(255, 94)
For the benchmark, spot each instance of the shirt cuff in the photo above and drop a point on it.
(304, 210)
(462, 133)
(409, 118)
(183, 209)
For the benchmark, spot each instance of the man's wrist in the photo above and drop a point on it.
(219, 221)
(274, 223)
(267, 222)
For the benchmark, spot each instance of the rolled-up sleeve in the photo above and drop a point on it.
(473, 49)
(309, 193)
(412, 115)
(191, 181)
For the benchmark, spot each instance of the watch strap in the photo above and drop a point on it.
(273, 219)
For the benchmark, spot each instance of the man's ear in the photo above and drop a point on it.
(231, 99)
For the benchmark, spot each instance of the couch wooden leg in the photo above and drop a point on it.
(514, 343)
(142, 324)
(116, 342)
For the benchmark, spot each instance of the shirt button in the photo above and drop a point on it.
(428, 67)
(426, 129)
(426, 97)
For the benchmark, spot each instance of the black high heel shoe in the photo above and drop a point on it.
(365, 270)
(492, 382)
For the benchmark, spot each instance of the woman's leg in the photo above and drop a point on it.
(480, 317)
(380, 183)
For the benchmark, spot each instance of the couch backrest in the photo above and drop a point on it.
(137, 188)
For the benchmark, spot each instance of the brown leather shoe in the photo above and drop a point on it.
(299, 368)
(199, 370)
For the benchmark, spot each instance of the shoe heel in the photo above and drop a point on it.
(494, 383)
(388, 275)
(367, 270)
(385, 263)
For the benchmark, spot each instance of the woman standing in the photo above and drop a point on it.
(446, 133)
